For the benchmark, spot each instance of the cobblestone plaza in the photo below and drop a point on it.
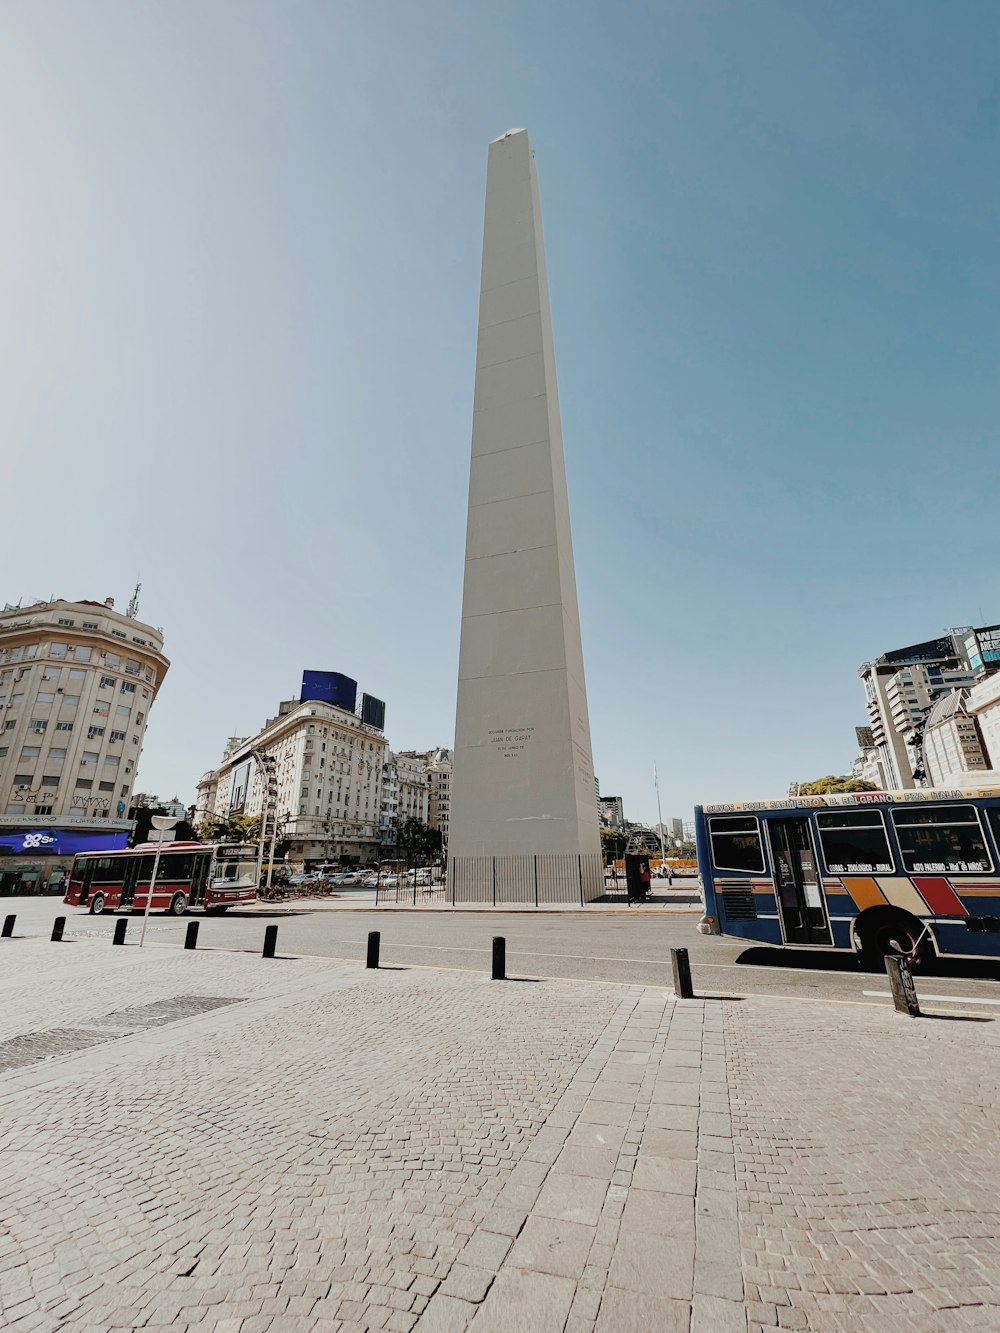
(218, 1142)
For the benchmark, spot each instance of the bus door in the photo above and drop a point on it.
(87, 869)
(798, 887)
(199, 879)
(130, 876)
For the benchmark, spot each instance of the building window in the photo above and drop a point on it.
(119, 634)
(51, 672)
(122, 710)
(71, 700)
(84, 784)
(107, 682)
(90, 624)
(78, 809)
(16, 699)
(77, 675)
(125, 790)
(93, 732)
(31, 752)
(58, 649)
(113, 660)
(101, 710)
(15, 809)
(50, 780)
(128, 687)
(57, 754)
(111, 761)
(23, 779)
(44, 697)
(37, 724)
(43, 809)
(64, 726)
(3, 751)
(131, 667)
(31, 650)
(89, 757)
(117, 736)
(14, 655)
(65, 622)
(9, 726)
(138, 719)
(105, 786)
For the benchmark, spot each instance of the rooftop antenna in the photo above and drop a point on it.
(133, 606)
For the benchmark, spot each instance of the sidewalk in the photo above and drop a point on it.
(674, 900)
(218, 1142)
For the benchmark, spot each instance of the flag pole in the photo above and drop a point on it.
(659, 816)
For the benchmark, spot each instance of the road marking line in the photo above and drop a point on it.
(933, 995)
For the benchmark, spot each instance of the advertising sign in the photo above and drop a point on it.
(59, 842)
(330, 687)
(373, 711)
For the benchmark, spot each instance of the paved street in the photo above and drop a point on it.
(218, 1142)
(629, 947)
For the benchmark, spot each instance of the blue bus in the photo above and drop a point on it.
(911, 873)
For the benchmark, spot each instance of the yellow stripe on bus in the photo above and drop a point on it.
(864, 891)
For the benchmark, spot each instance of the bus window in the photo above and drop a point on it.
(938, 839)
(176, 867)
(736, 843)
(854, 842)
(107, 870)
(993, 819)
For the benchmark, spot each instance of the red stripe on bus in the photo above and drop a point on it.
(939, 896)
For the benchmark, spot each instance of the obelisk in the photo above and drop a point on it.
(523, 800)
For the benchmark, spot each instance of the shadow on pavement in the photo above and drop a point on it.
(818, 961)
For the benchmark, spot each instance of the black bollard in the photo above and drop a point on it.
(270, 941)
(682, 974)
(191, 935)
(374, 939)
(121, 926)
(8, 927)
(58, 926)
(904, 993)
(499, 958)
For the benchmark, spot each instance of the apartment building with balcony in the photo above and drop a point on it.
(328, 772)
(405, 793)
(77, 681)
(900, 688)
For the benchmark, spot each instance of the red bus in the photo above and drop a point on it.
(190, 874)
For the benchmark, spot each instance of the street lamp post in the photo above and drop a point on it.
(162, 824)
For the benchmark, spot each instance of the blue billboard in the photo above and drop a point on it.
(60, 841)
(330, 687)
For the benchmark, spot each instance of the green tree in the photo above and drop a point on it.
(234, 828)
(417, 841)
(613, 843)
(830, 785)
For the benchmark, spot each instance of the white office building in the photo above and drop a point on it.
(328, 771)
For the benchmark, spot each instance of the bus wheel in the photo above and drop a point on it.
(97, 904)
(178, 905)
(891, 932)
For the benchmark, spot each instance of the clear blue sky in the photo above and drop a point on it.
(240, 269)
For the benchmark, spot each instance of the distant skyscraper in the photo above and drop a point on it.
(524, 775)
